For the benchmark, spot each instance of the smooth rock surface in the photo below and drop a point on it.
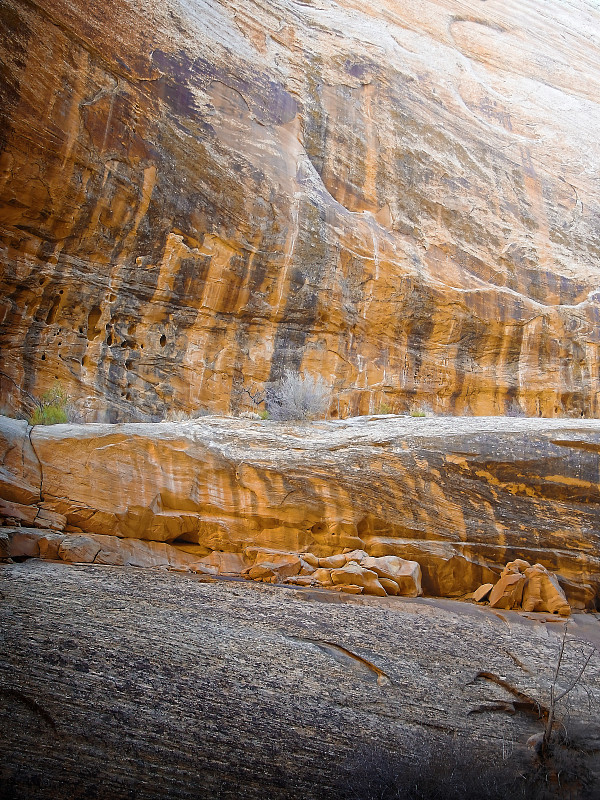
(118, 682)
(400, 197)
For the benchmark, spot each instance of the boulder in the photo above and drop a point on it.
(333, 562)
(508, 592)
(391, 587)
(543, 592)
(532, 588)
(310, 559)
(24, 542)
(482, 593)
(322, 576)
(261, 572)
(349, 588)
(353, 574)
(405, 574)
(277, 567)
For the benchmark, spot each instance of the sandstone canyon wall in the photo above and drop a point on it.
(401, 197)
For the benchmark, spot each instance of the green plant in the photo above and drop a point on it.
(417, 412)
(51, 407)
(264, 414)
(384, 408)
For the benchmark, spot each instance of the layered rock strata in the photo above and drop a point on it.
(400, 197)
(460, 497)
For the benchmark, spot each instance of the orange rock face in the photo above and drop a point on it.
(399, 197)
(531, 588)
(388, 506)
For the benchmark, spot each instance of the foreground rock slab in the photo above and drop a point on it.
(461, 497)
(124, 682)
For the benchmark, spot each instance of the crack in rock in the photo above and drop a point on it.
(342, 654)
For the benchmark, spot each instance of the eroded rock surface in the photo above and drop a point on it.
(312, 504)
(118, 682)
(401, 197)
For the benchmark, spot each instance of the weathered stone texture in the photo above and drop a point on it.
(461, 497)
(120, 683)
(401, 197)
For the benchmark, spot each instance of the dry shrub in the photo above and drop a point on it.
(298, 397)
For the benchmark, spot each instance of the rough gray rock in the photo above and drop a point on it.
(121, 683)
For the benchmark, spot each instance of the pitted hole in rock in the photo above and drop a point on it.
(43, 356)
(93, 319)
(163, 340)
(319, 528)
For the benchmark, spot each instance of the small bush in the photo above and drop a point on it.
(48, 415)
(298, 397)
(179, 415)
(51, 407)
(417, 412)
